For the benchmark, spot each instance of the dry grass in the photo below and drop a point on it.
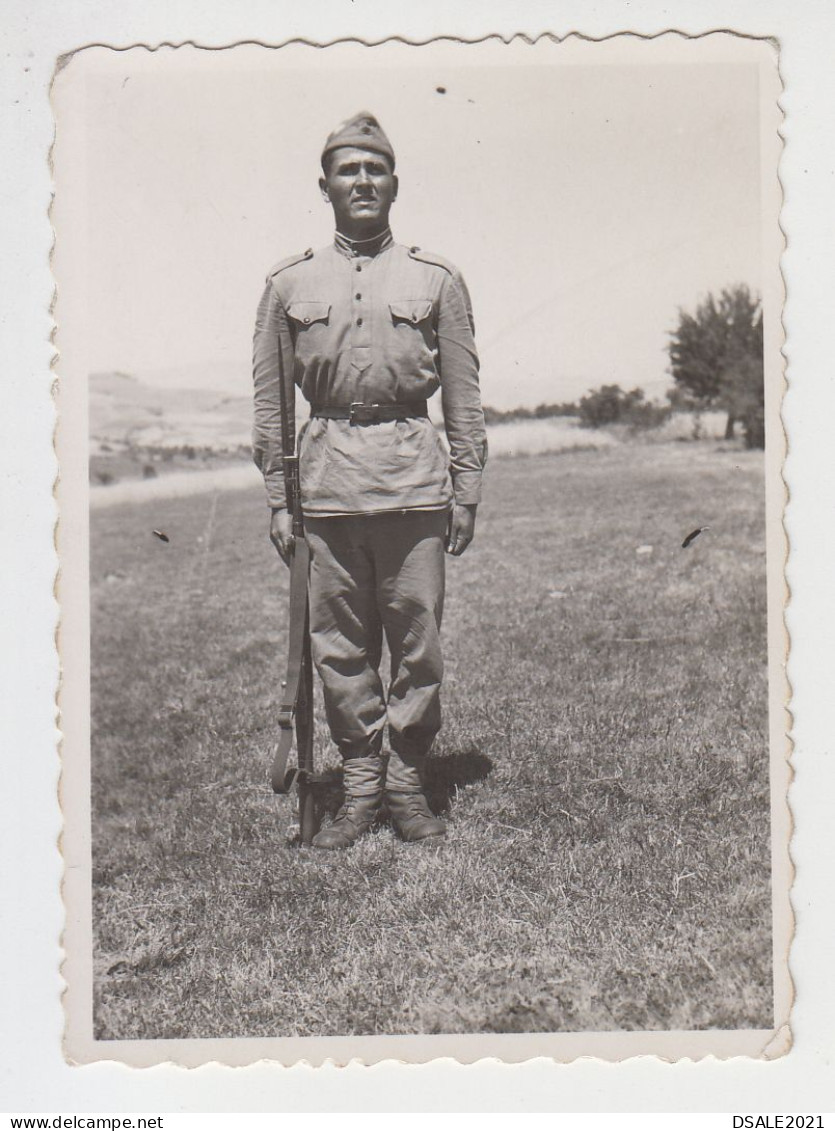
(603, 765)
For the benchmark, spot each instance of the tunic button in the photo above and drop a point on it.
(306, 319)
(357, 295)
(359, 322)
(414, 318)
(358, 267)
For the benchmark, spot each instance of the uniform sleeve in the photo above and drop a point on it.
(460, 395)
(270, 329)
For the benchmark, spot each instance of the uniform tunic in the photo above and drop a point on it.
(377, 323)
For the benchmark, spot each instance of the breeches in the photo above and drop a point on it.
(372, 575)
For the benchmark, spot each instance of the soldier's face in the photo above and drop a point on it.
(361, 188)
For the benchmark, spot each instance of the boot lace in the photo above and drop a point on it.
(416, 806)
(347, 814)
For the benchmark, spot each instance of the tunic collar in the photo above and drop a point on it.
(370, 247)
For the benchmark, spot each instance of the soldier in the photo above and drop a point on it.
(370, 329)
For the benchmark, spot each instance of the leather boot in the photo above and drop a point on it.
(412, 817)
(363, 795)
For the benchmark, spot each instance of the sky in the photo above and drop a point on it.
(585, 190)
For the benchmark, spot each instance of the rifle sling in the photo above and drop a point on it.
(282, 780)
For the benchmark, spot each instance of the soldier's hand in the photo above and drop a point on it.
(281, 534)
(461, 528)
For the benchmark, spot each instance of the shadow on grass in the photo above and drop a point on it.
(446, 774)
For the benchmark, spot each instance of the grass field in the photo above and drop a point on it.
(603, 765)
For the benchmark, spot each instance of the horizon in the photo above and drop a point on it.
(585, 198)
(236, 394)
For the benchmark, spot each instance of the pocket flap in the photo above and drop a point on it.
(412, 310)
(307, 312)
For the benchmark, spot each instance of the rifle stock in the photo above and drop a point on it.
(308, 815)
(296, 713)
(308, 823)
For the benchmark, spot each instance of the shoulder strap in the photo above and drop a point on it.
(290, 261)
(431, 257)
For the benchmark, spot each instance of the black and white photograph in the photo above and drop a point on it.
(421, 549)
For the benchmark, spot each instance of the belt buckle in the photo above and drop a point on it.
(359, 412)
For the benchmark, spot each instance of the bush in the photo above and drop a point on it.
(611, 405)
(647, 415)
(602, 406)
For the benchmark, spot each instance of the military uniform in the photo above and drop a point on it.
(381, 327)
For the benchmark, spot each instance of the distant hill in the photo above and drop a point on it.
(124, 412)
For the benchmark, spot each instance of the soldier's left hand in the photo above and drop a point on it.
(281, 534)
(461, 528)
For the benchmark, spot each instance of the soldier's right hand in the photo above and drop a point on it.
(281, 534)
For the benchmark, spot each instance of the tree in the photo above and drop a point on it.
(744, 394)
(716, 355)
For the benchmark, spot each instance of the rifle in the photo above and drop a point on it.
(296, 711)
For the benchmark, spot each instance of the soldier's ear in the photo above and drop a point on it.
(323, 188)
(395, 187)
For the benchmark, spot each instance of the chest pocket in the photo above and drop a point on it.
(415, 311)
(306, 313)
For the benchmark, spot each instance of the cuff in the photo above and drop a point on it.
(276, 496)
(467, 488)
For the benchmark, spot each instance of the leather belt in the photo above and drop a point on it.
(361, 413)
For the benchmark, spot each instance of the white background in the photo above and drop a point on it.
(33, 1076)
